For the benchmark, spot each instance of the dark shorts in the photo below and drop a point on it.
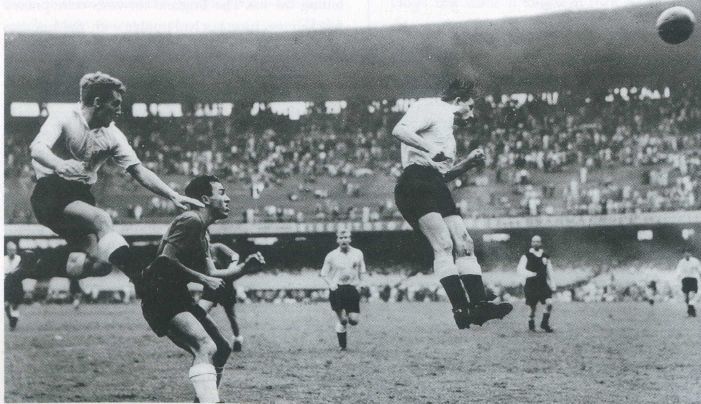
(537, 290)
(163, 299)
(225, 296)
(14, 292)
(346, 297)
(50, 197)
(690, 285)
(421, 190)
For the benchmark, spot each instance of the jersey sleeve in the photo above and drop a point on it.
(124, 155)
(363, 269)
(417, 118)
(50, 131)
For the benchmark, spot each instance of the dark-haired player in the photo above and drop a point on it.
(342, 271)
(183, 257)
(535, 266)
(225, 257)
(66, 156)
(429, 160)
(688, 272)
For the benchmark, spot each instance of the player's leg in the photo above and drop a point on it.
(470, 273)
(223, 347)
(111, 246)
(206, 304)
(186, 331)
(436, 231)
(230, 311)
(691, 308)
(352, 305)
(14, 294)
(545, 323)
(341, 329)
(531, 316)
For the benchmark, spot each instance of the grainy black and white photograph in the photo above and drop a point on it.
(337, 201)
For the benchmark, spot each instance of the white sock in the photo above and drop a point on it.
(239, 339)
(14, 313)
(443, 265)
(204, 379)
(468, 265)
(340, 327)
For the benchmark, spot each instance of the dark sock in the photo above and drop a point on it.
(546, 319)
(474, 287)
(124, 258)
(341, 339)
(454, 290)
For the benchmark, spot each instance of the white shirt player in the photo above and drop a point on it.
(12, 264)
(432, 119)
(689, 268)
(344, 268)
(525, 273)
(68, 136)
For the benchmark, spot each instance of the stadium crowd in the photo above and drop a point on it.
(544, 157)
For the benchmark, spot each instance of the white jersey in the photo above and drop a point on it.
(68, 136)
(344, 268)
(690, 268)
(432, 119)
(12, 264)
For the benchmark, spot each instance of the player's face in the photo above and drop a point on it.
(109, 108)
(11, 249)
(219, 201)
(536, 243)
(343, 240)
(466, 109)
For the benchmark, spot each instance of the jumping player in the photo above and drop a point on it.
(66, 156)
(225, 257)
(342, 271)
(14, 293)
(535, 266)
(429, 160)
(183, 257)
(689, 271)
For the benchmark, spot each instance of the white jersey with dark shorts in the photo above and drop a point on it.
(689, 271)
(421, 189)
(344, 270)
(69, 137)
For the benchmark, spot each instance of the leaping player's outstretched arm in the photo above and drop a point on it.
(149, 180)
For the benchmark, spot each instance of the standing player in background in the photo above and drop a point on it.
(535, 266)
(342, 271)
(225, 257)
(167, 305)
(66, 156)
(14, 293)
(422, 196)
(689, 271)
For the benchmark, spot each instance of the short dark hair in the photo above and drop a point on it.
(200, 186)
(99, 84)
(459, 88)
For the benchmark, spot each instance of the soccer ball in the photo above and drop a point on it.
(675, 24)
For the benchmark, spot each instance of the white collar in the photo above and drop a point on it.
(536, 253)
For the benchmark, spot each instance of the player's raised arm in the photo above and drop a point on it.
(233, 272)
(149, 180)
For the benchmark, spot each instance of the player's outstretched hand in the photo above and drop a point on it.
(72, 169)
(212, 282)
(254, 262)
(182, 201)
(475, 157)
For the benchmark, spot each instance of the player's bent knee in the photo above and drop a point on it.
(206, 348)
(102, 221)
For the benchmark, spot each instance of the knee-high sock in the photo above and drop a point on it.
(454, 290)
(204, 379)
(471, 275)
(113, 248)
(220, 373)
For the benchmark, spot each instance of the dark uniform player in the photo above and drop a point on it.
(423, 198)
(224, 257)
(168, 307)
(14, 293)
(688, 272)
(342, 271)
(536, 267)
